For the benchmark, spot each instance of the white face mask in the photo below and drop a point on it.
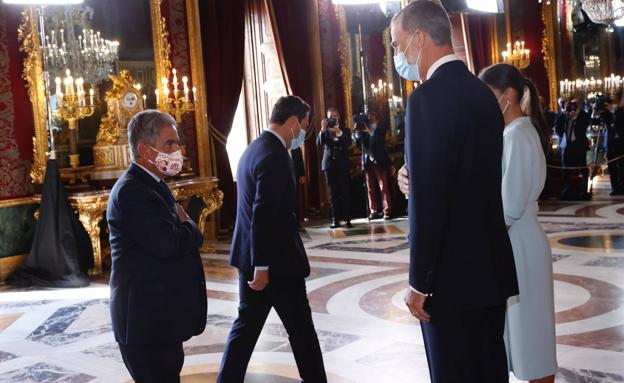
(404, 68)
(170, 164)
(297, 141)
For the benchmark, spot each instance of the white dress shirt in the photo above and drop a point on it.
(157, 178)
(441, 61)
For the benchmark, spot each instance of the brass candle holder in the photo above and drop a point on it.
(176, 101)
(73, 105)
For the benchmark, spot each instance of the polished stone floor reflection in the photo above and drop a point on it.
(356, 293)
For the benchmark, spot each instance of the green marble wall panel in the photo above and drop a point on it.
(17, 229)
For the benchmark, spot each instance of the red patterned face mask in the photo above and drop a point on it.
(170, 164)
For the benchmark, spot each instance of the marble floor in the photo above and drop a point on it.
(356, 290)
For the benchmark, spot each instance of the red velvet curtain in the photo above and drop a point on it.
(16, 115)
(291, 26)
(533, 27)
(223, 39)
(480, 31)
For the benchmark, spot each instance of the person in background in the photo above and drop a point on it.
(370, 136)
(336, 141)
(158, 291)
(571, 127)
(267, 249)
(461, 268)
(300, 175)
(530, 318)
(613, 117)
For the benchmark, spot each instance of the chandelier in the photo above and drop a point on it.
(518, 56)
(604, 11)
(70, 43)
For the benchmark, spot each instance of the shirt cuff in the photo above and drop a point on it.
(419, 293)
(261, 268)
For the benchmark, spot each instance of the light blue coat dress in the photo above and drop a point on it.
(530, 321)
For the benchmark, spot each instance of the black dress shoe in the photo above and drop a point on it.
(334, 225)
(348, 224)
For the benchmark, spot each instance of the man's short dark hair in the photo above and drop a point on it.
(288, 106)
(428, 16)
(333, 109)
(145, 127)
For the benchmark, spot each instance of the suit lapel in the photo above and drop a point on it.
(153, 185)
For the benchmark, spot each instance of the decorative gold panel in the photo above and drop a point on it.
(548, 50)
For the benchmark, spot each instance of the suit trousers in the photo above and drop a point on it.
(616, 168)
(466, 346)
(377, 176)
(337, 177)
(153, 363)
(288, 297)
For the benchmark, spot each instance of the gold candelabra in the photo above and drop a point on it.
(518, 56)
(72, 106)
(174, 101)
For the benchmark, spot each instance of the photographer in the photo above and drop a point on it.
(336, 141)
(370, 136)
(612, 114)
(571, 127)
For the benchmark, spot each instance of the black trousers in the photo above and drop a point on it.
(574, 156)
(337, 177)
(289, 299)
(153, 363)
(466, 346)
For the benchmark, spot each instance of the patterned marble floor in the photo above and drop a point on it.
(356, 289)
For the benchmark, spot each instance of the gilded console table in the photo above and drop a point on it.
(92, 205)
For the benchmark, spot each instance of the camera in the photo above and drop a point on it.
(360, 121)
(332, 122)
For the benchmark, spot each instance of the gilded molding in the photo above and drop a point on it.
(346, 71)
(548, 51)
(17, 202)
(28, 36)
(160, 35)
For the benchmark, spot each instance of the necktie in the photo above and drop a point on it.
(167, 192)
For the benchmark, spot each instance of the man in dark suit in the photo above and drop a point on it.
(267, 250)
(335, 164)
(571, 127)
(613, 118)
(370, 136)
(158, 291)
(461, 268)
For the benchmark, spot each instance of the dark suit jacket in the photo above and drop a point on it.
(336, 152)
(459, 247)
(373, 146)
(615, 131)
(579, 125)
(266, 231)
(158, 291)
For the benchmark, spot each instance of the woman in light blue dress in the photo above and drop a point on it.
(530, 321)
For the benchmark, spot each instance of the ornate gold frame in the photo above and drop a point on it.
(548, 50)
(346, 72)
(33, 75)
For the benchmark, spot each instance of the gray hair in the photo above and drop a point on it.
(428, 16)
(145, 127)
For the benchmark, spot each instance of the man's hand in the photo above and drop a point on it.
(182, 213)
(302, 180)
(337, 131)
(260, 281)
(324, 125)
(403, 179)
(415, 303)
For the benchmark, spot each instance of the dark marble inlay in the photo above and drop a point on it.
(328, 340)
(595, 241)
(106, 351)
(360, 245)
(250, 377)
(52, 331)
(587, 376)
(4, 356)
(617, 262)
(44, 373)
(557, 227)
(558, 257)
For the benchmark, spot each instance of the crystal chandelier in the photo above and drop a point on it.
(604, 11)
(71, 44)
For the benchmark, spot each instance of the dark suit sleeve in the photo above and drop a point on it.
(298, 164)
(345, 140)
(560, 124)
(271, 175)
(161, 234)
(432, 162)
(361, 139)
(323, 138)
